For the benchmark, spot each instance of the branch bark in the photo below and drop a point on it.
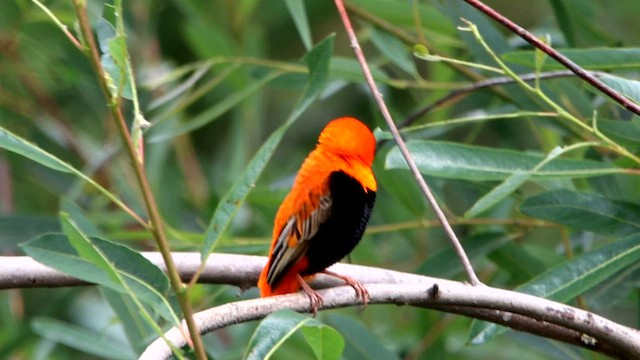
(519, 311)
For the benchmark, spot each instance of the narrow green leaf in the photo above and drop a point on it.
(81, 339)
(585, 211)
(517, 261)
(326, 342)
(299, 16)
(627, 87)
(570, 279)
(511, 184)
(32, 152)
(498, 193)
(360, 342)
(318, 60)
(591, 59)
(129, 272)
(394, 49)
(444, 263)
(113, 59)
(402, 14)
(85, 248)
(563, 19)
(18, 145)
(219, 109)
(476, 163)
(79, 217)
(120, 74)
(273, 331)
(349, 69)
(16, 228)
(138, 331)
(625, 132)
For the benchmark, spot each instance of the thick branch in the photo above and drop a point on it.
(519, 311)
(590, 330)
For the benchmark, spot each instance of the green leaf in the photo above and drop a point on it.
(509, 185)
(591, 59)
(498, 193)
(299, 15)
(18, 145)
(138, 331)
(113, 59)
(349, 69)
(219, 109)
(394, 49)
(360, 342)
(570, 279)
(625, 132)
(318, 60)
(563, 19)
(627, 87)
(517, 261)
(81, 339)
(276, 328)
(444, 262)
(585, 211)
(16, 228)
(326, 342)
(402, 14)
(105, 263)
(476, 163)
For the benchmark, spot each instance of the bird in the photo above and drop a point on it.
(325, 214)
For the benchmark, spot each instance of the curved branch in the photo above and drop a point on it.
(518, 311)
(545, 317)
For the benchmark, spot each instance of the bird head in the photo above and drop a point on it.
(349, 137)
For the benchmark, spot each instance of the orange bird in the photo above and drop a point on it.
(324, 216)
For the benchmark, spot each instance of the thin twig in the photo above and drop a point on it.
(565, 61)
(473, 278)
(497, 81)
(156, 225)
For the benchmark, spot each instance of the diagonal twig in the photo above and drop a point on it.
(496, 81)
(565, 61)
(473, 278)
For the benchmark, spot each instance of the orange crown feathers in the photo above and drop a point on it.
(349, 136)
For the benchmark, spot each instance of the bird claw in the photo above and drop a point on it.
(360, 290)
(315, 299)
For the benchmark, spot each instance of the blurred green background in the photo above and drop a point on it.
(203, 69)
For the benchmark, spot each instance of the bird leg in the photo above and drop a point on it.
(315, 299)
(361, 292)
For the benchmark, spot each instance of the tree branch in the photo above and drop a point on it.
(518, 311)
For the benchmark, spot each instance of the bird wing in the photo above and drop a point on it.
(294, 239)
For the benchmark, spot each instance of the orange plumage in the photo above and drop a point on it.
(323, 217)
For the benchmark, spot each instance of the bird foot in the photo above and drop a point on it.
(315, 299)
(360, 290)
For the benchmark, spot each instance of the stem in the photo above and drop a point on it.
(473, 278)
(59, 24)
(540, 94)
(155, 221)
(502, 80)
(575, 68)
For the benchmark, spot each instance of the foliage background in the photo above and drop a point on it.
(48, 95)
